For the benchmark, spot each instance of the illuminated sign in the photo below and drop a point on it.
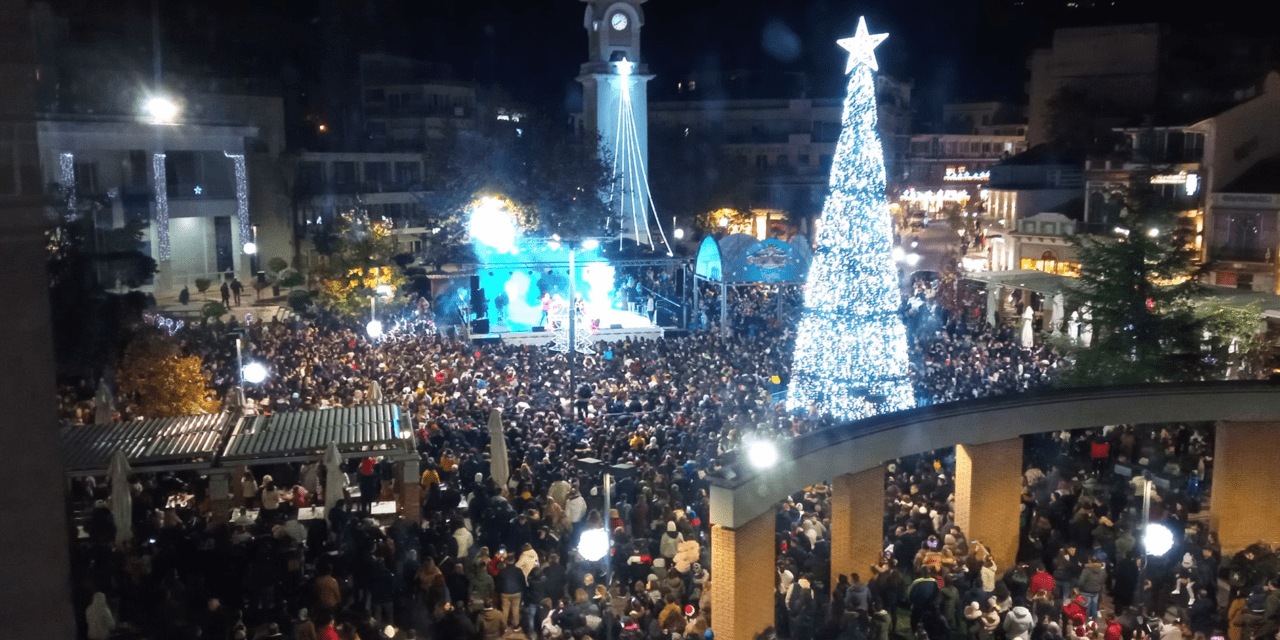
(1190, 180)
(959, 174)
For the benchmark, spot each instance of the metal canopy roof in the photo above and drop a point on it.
(1038, 281)
(307, 433)
(86, 450)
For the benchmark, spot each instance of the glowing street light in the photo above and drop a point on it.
(1157, 540)
(374, 329)
(162, 110)
(593, 544)
(590, 244)
(250, 248)
(254, 372)
(679, 233)
(762, 454)
(383, 290)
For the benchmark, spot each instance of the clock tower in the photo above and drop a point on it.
(615, 105)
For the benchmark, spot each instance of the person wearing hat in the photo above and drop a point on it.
(669, 545)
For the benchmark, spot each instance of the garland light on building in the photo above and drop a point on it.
(851, 349)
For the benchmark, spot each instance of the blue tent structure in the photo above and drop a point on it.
(741, 259)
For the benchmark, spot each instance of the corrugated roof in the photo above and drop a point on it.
(309, 432)
(144, 442)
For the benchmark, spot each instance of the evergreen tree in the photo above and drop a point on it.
(851, 348)
(1140, 285)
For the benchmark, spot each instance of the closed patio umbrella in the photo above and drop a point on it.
(334, 480)
(121, 498)
(499, 468)
(375, 393)
(104, 403)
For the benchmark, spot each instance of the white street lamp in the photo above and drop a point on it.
(162, 110)
(1157, 539)
(593, 545)
(250, 248)
(254, 372)
(762, 454)
(374, 329)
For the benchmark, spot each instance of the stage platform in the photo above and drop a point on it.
(614, 325)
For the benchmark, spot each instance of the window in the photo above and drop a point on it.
(783, 160)
(199, 174)
(803, 159)
(762, 161)
(407, 173)
(377, 172)
(951, 148)
(138, 169)
(375, 95)
(86, 177)
(1248, 236)
(344, 173)
(310, 176)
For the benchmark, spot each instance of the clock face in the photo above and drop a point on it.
(619, 21)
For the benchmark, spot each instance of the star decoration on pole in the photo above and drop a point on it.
(861, 47)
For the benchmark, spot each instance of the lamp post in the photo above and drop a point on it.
(624, 470)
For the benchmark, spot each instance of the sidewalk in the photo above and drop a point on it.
(266, 308)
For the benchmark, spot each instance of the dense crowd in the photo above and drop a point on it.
(490, 560)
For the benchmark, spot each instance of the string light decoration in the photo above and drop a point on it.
(636, 199)
(67, 164)
(850, 356)
(559, 319)
(162, 204)
(242, 197)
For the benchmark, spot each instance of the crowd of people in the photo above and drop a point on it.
(488, 561)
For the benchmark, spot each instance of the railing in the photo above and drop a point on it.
(1242, 254)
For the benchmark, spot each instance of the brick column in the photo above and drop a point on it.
(219, 497)
(743, 565)
(1243, 500)
(410, 494)
(989, 496)
(857, 522)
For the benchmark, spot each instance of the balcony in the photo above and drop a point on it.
(1229, 253)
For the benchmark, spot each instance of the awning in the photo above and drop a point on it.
(1038, 281)
(303, 435)
(158, 444)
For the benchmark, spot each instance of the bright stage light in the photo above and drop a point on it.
(250, 248)
(590, 244)
(593, 545)
(625, 66)
(1157, 540)
(374, 329)
(679, 234)
(898, 254)
(492, 225)
(254, 372)
(600, 278)
(913, 259)
(762, 454)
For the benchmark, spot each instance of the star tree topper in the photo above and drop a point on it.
(861, 47)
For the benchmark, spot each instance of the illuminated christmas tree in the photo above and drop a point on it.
(851, 347)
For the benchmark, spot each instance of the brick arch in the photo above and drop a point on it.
(739, 493)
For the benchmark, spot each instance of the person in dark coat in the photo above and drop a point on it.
(226, 295)
(184, 296)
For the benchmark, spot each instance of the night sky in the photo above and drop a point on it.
(954, 50)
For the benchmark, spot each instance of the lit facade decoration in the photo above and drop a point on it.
(162, 205)
(851, 351)
(67, 167)
(962, 174)
(931, 200)
(242, 197)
